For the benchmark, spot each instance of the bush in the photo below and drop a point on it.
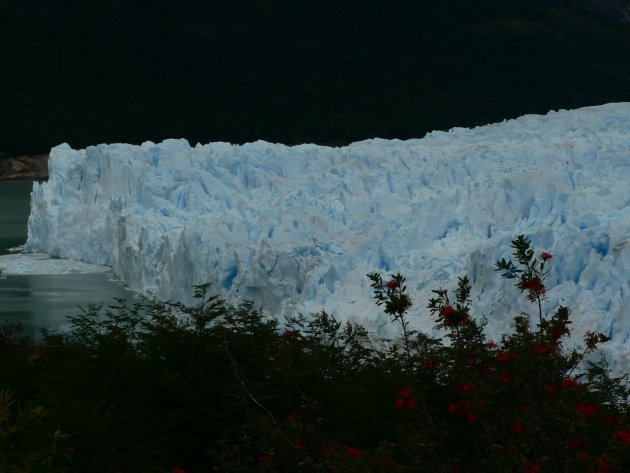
(163, 387)
(467, 406)
(26, 445)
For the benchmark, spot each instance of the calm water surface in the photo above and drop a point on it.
(15, 204)
(44, 300)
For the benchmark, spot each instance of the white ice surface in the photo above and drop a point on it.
(21, 264)
(297, 228)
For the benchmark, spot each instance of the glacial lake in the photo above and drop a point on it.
(44, 300)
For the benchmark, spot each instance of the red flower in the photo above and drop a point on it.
(405, 399)
(518, 428)
(288, 334)
(506, 356)
(465, 388)
(551, 389)
(265, 458)
(575, 444)
(540, 349)
(534, 284)
(505, 378)
(490, 345)
(354, 452)
(536, 289)
(472, 417)
(583, 456)
(588, 409)
(546, 256)
(429, 366)
(178, 469)
(570, 383)
(406, 403)
(624, 436)
(463, 408)
(453, 318)
(392, 284)
(604, 464)
(531, 467)
(557, 332)
(447, 311)
(297, 446)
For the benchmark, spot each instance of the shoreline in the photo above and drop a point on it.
(24, 168)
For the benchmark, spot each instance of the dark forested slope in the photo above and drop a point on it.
(322, 71)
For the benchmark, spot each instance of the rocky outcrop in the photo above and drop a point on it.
(34, 168)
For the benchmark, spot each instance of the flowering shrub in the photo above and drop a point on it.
(220, 388)
(405, 399)
(520, 405)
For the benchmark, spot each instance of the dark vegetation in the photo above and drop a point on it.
(94, 71)
(220, 388)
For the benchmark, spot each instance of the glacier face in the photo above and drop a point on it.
(296, 229)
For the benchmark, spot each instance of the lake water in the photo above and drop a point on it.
(15, 203)
(44, 300)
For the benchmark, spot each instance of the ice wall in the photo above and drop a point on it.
(297, 228)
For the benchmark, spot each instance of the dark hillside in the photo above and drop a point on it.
(96, 71)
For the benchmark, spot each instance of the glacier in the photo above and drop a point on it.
(297, 228)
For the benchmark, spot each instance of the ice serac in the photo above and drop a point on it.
(297, 228)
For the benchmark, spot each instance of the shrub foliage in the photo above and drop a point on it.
(158, 387)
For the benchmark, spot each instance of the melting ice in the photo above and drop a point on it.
(21, 264)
